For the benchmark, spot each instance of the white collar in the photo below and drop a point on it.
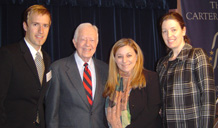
(33, 50)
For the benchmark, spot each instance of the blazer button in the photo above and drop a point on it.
(132, 106)
(39, 90)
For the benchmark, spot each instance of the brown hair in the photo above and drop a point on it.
(39, 9)
(175, 16)
(138, 78)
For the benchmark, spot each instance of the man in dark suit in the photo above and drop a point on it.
(68, 102)
(22, 83)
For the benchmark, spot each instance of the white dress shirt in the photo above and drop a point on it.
(91, 67)
(33, 50)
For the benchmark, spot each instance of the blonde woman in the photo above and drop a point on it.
(133, 96)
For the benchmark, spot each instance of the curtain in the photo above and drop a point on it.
(115, 19)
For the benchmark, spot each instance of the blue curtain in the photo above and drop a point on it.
(115, 19)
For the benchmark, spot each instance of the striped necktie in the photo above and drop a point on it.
(87, 83)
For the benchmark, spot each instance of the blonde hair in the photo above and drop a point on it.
(138, 78)
(39, 9)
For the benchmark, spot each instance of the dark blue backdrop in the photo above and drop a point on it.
(136, 19)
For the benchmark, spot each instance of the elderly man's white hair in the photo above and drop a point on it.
(84, 25)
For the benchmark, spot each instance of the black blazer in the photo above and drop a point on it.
(21, 94)
(145, 103)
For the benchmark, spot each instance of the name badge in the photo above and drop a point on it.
(48, 76)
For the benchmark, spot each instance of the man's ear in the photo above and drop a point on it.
(184, 31)
(74, 42)
(25, 26)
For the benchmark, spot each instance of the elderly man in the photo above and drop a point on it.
(74, 98)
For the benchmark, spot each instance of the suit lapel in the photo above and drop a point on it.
(47, 63)
(74, 76)
(44, 86)
(28, 58)
(99, 87)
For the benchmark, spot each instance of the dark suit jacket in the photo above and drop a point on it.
(66, 102)
(145, 103)
(21, 94)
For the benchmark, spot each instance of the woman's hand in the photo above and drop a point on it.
(114, 113)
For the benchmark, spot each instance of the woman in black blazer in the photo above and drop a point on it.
(133, 94)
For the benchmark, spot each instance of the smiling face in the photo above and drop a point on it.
(86, 42)
(37, 28)
(126, 58)
(173, 34)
